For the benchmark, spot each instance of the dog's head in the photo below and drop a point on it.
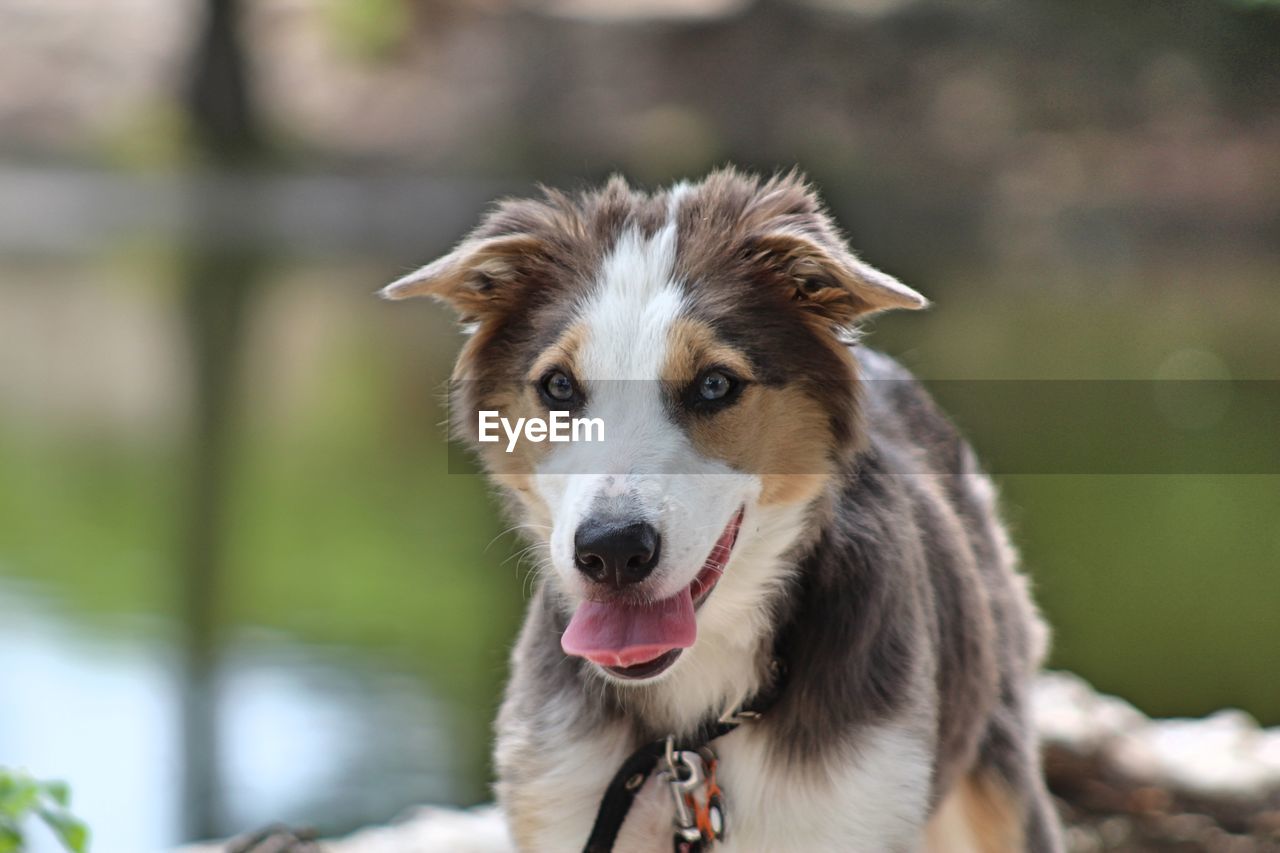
(706, 329)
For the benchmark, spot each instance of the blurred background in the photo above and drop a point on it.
(238, 583)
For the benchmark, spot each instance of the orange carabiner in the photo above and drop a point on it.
(709, 812)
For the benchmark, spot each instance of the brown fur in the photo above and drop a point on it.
(778, 432)
(692, 347)
(979, 815)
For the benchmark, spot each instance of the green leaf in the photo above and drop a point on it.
(20, 797)
(73, 834)
(10, 838)
(59, 792)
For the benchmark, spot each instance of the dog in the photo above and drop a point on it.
(777, 515)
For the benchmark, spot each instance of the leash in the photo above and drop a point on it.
(686, 767)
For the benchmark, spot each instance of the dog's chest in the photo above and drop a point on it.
(876, 801)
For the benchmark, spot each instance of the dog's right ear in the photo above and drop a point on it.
(477, 279)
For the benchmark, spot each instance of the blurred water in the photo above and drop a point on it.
(310, 736)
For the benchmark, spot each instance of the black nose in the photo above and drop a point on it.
(616, 553)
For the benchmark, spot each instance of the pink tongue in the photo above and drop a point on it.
(616, 634)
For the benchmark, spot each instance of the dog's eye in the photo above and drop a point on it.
(557, 387)
(713, 390)
(714, 385)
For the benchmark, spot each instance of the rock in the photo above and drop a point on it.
(479, 830)
(1126, 782)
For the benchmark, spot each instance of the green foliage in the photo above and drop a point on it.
(23, 798)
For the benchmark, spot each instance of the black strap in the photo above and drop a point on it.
(631, 776)
(620, 794)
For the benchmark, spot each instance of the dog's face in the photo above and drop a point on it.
(704, 328)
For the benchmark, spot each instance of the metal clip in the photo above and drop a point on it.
(684, 774)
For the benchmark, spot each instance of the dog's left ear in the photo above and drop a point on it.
(791, 237)
(477, 279)
(826, 277)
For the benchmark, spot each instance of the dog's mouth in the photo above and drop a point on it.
(638, 641)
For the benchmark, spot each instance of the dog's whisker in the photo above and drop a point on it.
(519, 526)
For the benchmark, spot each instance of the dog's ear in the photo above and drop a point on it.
(477, 279)
(790, 235)
(827, 278)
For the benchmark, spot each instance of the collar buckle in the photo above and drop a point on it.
(739, 715)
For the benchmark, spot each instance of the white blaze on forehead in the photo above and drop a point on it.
(627, 322)
(629, 314)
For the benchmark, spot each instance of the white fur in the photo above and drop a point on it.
(874, 800)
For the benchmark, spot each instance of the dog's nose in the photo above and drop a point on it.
(614, 553)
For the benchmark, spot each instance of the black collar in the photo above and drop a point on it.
(631, 776)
